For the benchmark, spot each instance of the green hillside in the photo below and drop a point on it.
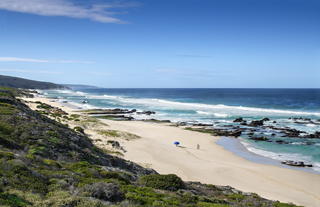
(15, 82)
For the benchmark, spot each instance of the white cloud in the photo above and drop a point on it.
(31, 60)
(29, 71)
(15, 59)
(66, 8)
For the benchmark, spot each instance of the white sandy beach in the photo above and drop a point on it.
(210, 164)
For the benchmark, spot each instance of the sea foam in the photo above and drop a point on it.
(200, 108)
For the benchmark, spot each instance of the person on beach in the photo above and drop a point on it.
(198, 146)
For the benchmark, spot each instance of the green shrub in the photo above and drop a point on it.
(141, 195)
(279, 204)
(19, 176)
(55, 140)
(36, 150)
(7, 199)
(6, 155)
(75, 116)
(236, 196)
(109, 133)
(79, 129)
(43, 106)
(205, 204)
(6, 128)
(165, 182)
(6, 109)
(52, 133)
(52, 163)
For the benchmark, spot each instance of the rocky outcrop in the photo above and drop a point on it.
(240, 119)
(202, 124)
(296, 163)
(314, 135)
(259, 138)
(256, 123)
(281, 142)
(146, 112)
(116, 117)
(226, 132)
(109, 111)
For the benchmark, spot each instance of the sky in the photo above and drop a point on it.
(163, 43)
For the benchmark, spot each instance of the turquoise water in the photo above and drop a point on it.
(220, 107)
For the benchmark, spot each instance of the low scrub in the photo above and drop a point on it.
(169, 182)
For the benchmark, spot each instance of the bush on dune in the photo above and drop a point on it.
(169, 182)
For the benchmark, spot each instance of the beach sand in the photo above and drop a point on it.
(211, 164)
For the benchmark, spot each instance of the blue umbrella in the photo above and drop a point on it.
(176, 143)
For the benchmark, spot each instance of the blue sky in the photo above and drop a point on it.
(163, 43)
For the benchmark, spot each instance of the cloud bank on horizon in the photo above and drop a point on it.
(31, 60)
(96, 12)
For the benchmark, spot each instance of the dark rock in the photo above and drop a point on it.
(296, 163)
(314, 135)
(310, 143)
(182, 123)
(115, 144)
(227, 133)
(297, 119)
(157, 121)
(201, 124)
(115, 117)
(291, 133)
(240, 119)
(265, 119)
(236, 133)
(110, 111)
(244, 123)
(282, 142)
(259, 138)
(256, 123)
(146, 112)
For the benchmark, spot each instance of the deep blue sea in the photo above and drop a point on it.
(220, 107)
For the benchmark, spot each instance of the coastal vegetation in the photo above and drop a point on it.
(15, 82)
(45, 163)
(116, 133)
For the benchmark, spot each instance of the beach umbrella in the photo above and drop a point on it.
(176, 143)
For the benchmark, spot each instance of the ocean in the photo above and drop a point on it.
(220, 107)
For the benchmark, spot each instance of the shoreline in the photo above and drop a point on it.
(235, 146)
(212, 164)
(244, 152)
